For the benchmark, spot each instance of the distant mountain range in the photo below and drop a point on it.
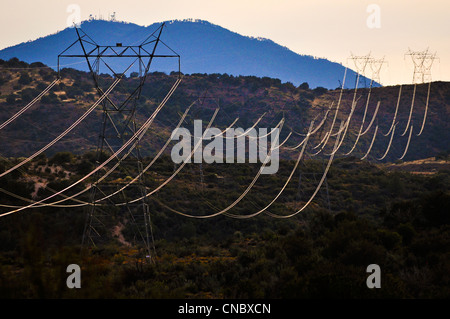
(203, 47)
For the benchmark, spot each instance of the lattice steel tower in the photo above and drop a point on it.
(119, 123)
(423, 61)
(361, 63)
(375, 66)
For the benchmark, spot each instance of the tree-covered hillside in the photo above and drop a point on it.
(397, 220)
(245, 97)
(391, 213)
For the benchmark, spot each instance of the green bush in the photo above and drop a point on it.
(25, 79)
(61, 158)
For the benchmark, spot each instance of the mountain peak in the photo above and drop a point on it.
(204, 48)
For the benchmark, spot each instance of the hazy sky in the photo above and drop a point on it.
(332, 29)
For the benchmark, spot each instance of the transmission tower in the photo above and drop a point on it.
(361, 63)
(423, 61)
(119, 123)
(375, 66)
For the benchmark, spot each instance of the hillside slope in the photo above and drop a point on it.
(245, 98)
